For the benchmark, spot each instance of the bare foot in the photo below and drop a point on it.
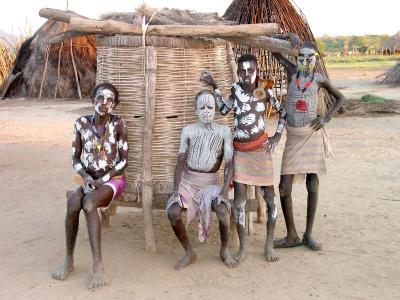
(185, 261)
(311, 243)
(287, 242)
(240, 256)
(227, 258)
(270, 254)
(62, 272)
(97, 280)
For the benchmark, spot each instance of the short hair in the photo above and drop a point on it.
(310, 45)
(108, 86)
(201, 93)
(247, 57)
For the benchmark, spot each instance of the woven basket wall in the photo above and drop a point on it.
(179, 64)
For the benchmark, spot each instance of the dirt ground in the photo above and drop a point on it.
(358, 222)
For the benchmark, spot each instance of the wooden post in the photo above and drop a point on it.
(232, 62)
(148, 130)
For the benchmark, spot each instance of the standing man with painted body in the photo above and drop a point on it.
(307, 142)
(203, 146)
(252, 159)
(99, 156)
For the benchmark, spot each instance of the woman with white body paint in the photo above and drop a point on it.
(252, 159)
(99, 156)
(203, 146)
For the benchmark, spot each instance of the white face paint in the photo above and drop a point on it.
(247, 72)
(306, 60)
(104, 101)
(205, 108)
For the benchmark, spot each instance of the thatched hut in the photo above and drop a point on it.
(392, 45)
(290, 19)
(392, 76)
(62, 70)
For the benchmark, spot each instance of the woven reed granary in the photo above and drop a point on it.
(179, 62)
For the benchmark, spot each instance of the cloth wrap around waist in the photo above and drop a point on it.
(305, 152)
(196, 192)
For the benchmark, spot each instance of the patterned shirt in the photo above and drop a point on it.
(97, 155)
(300, 114)
(248, 112)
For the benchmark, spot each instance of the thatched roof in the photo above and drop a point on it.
(289, 18)
(392, 76)
(392, 44)
(31, 65)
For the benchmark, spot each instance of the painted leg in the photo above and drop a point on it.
(74, 205)
(312, 183)
(261, 205)
(285, 190)
(272, 212)
(223, 216)
(175, 218)
(101, 197)
(239, 205)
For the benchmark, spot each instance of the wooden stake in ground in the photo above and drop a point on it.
(78, 87)
(44, 72)
(148, 132)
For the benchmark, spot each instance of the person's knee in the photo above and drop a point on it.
(284, 189)
(89, 203)
(222, 213)
(268, 194)
(312, 183)
(174, 215)
(74, 203)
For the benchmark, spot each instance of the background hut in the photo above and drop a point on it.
(392, 45)
(51, 71)
(290, 19)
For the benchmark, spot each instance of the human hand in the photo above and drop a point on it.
(294, 40)
(271, 142)
(206, 78)
(98, 183)
(318, 123)
(88, 185)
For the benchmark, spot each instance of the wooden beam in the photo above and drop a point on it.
(117, 27)
(147, 153)
(263, 42)
(57, 14)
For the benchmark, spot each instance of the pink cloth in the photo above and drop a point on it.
(196, 192)
(117, 183)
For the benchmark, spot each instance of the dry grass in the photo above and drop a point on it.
(7, 57)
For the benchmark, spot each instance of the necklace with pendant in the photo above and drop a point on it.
(301, 105)
(99, 145)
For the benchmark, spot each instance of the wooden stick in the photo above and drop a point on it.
(232, 62)
(57, 14)
(58, 70)
(44, 72)
(116, 27)
(78, 86)
(148, 131)
(263, 42)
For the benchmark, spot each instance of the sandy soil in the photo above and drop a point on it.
(354, 83)
(358, 222)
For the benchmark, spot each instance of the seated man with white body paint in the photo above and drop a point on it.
(203, 146)
(99, 155)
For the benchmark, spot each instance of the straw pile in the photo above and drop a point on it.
(392, 76)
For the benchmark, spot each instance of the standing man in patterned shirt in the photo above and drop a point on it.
(99, 156)
(307, 141)
(252, 159)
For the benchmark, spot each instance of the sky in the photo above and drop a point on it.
(326, 17)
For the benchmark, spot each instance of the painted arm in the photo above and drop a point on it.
(228, 156)
(88, 181)
(180, 164)
(122, 148)
(295, 41)
(319, 122)
(274, 140)
(224, 106)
